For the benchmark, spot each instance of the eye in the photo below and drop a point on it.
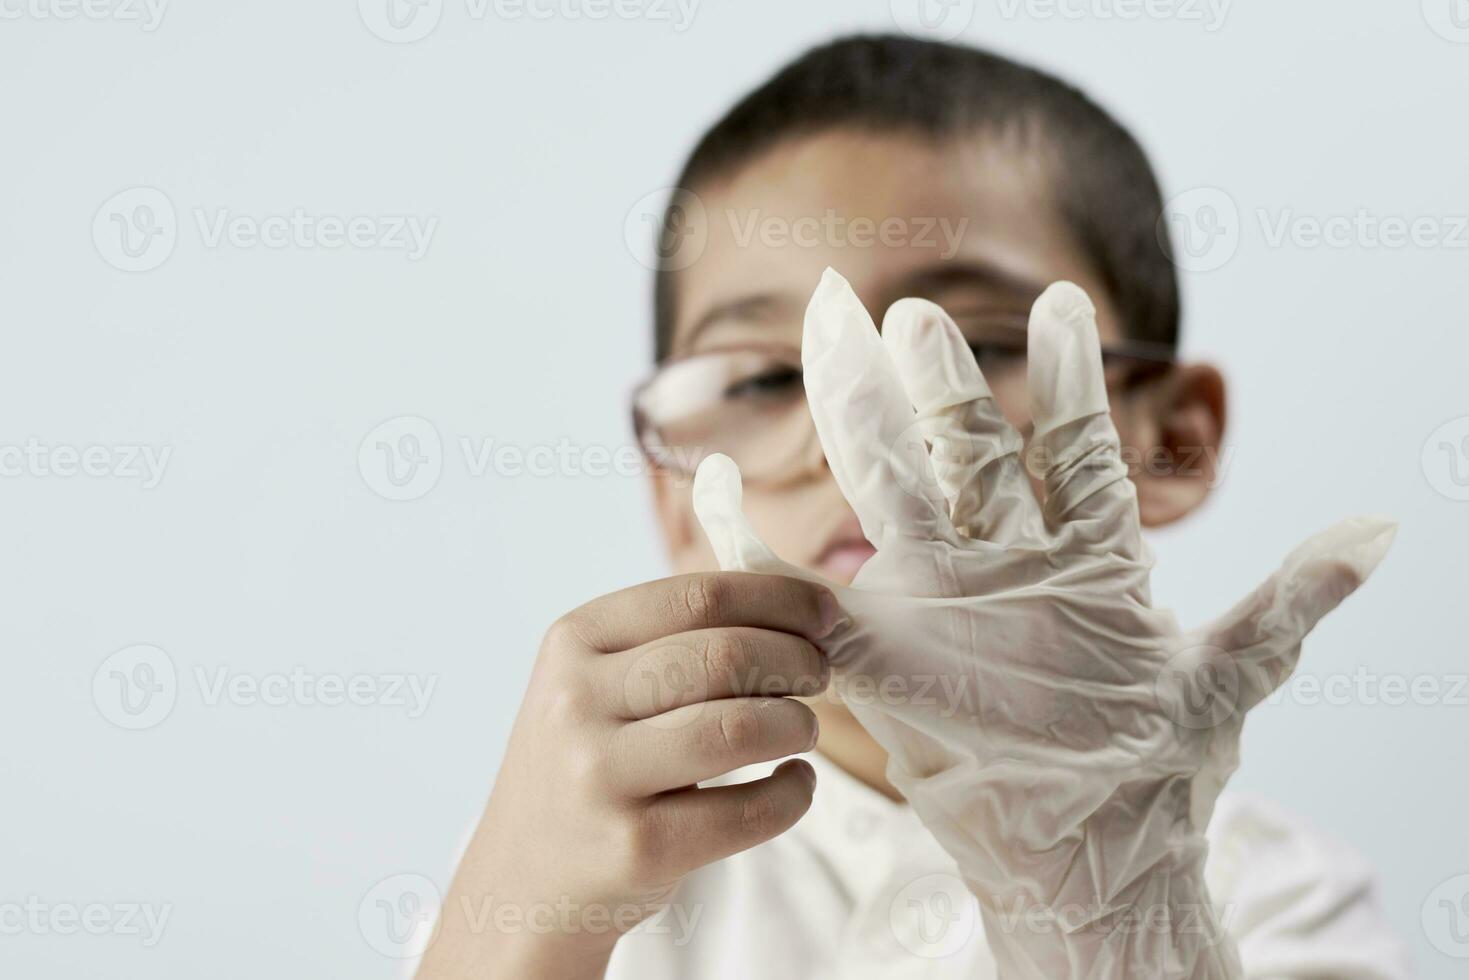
(777, 382)
(997, 355)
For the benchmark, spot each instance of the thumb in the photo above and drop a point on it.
(717, 495)
(1263, 632)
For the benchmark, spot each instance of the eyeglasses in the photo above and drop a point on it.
(749, 402)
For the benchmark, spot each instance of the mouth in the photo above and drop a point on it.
(845, 553)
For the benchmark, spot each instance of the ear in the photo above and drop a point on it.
(1175, 427)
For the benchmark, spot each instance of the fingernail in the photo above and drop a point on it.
(806, 769)
(830, 611)
(1068, 301)
(823, 316)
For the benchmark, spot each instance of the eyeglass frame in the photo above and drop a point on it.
(1147, 357)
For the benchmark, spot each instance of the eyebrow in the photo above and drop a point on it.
(954, 274)
(743, 308)
(932, 279)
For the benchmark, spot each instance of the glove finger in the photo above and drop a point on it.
(973, 451)
(1075, 447)
(718, 491)
(1263, 632)
(865, 420)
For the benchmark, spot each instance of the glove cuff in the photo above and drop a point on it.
(1164, 925)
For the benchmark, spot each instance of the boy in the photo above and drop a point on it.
(931, 171)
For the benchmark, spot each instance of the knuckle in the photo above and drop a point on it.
(565, 694)
(706, 598)
(586, 769)
(565, 705)
(760, 815)
(737, 732)
(724, 655)
(566, 633)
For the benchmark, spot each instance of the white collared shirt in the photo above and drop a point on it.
(859, 888)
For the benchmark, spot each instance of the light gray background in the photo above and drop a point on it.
(264, 548)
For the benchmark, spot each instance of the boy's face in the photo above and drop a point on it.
(968, 224)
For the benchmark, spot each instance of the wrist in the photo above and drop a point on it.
(551, 956)
(482, 935)
(1164, 916)
(503, 919)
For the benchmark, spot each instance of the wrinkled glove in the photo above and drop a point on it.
(1074, 765)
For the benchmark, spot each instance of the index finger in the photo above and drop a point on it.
(865, 421)
(704, 600)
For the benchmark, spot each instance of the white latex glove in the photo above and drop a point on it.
(1073, 777)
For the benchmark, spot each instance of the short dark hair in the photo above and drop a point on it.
(1104, 185)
